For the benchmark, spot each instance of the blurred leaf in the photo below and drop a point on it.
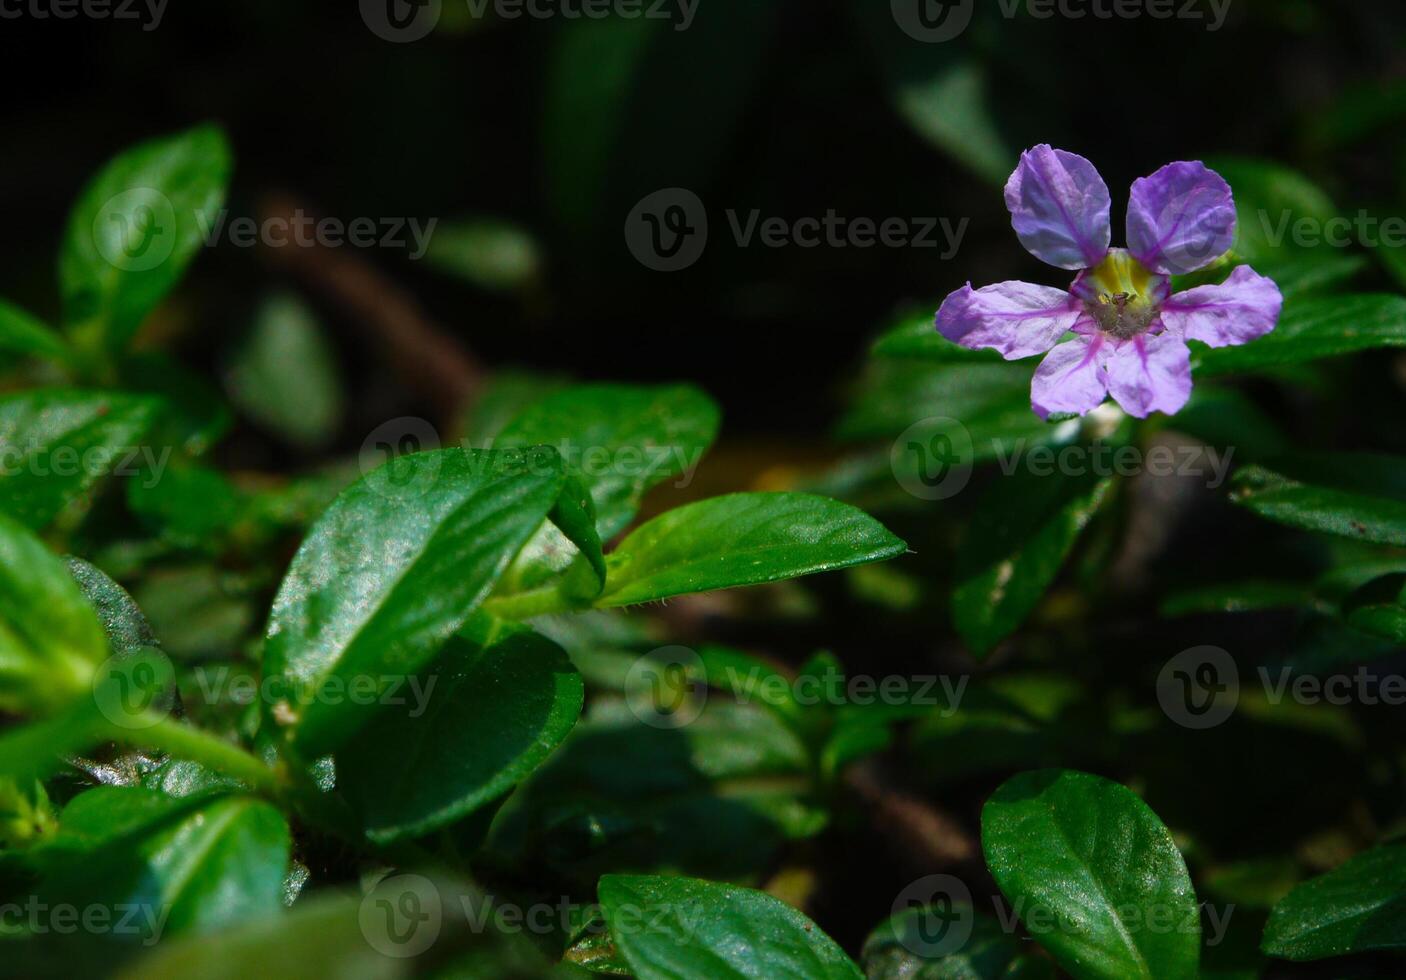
(504, 397)
(493, 708)
(1356, 495)
(285, 375)
(188, 505)
(25, 334)
(1236, 597)
(1087, 854)
(488, 252)
(197, 610)
(638, 104)
(134, 229)
(687, 929)
(56, 443)
(1356, 908)
(1269, 200)
(741, 539)
(1310, 329)
(1014, 546)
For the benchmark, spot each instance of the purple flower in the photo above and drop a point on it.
(1130, 330)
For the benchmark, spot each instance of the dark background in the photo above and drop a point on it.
(792, 107)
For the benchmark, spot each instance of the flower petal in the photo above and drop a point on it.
(1071, 377)
(1181, 218)
(1016, 318)
(1236, 311)
(1150, 373)
(1059, 208)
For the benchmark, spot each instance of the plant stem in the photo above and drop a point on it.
(188, 742)
(535, 602)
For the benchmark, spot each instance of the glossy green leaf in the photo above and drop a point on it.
(1314, 328)
(619, 440)
(674, 928)
(390, 571)
(285, 376)
(56, 443)
(495, 704)
(742, 539)
(1356, 908)
(24, 333)
(1355, 495)
(208, 865)
(50, 637)
(122, 620)
(1094, 875)
(135, 228)
(1015, 544)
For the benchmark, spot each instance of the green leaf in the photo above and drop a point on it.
(1015, 544)
(390, 571)
(1094, 874)
(135, 228)
(1355, 495)
(55, 444)
(493, 708)
(206, 866)
(742, 539)
(619, 440)
(670, 928)
(27, 334)
(122, 620)
(1314, 328)
(50, 638)
(285, 376)
(575, 516)
(1356, 908)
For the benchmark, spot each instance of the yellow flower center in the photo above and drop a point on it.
(1121, 294)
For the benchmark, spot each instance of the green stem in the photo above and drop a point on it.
(534, 602)
(188, 742)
